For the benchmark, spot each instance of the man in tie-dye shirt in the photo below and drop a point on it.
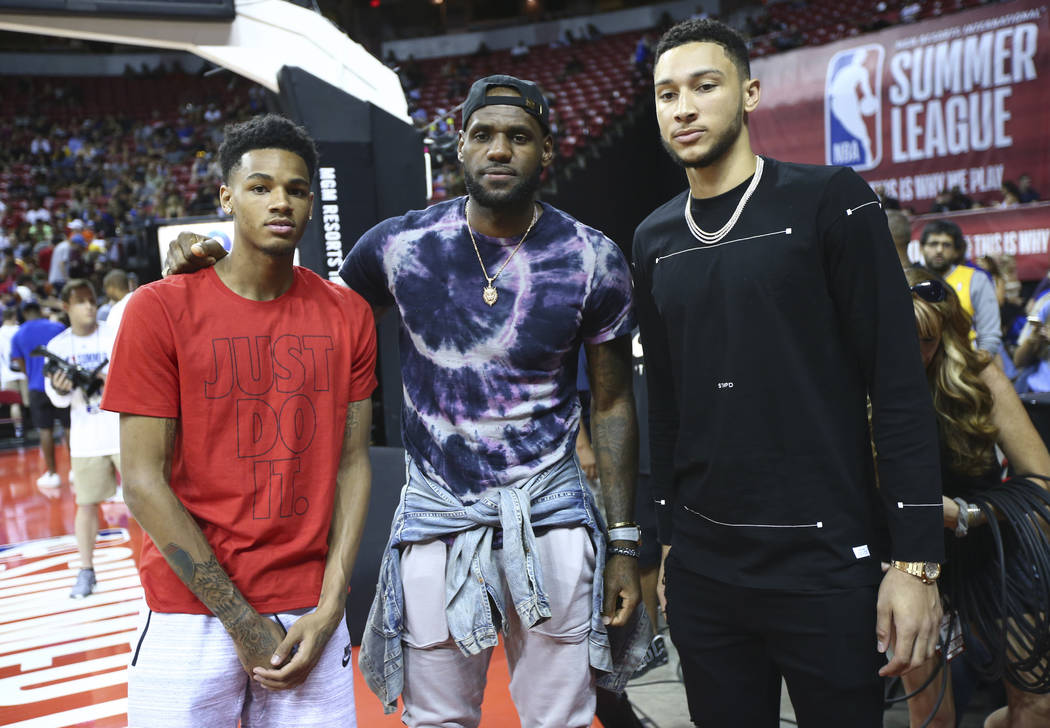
(490, 397)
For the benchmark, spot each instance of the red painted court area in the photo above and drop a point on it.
(63, 662)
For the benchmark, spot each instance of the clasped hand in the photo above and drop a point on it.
(289, 659)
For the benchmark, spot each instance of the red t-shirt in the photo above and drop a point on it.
(260, 390)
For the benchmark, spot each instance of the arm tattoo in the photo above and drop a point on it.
(212, 585)
(170, 428)
(616, 450)
(352, 416)
(614, 426)
(180, 563)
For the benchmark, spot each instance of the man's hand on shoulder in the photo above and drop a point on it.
(190, 252)
(908, 622)
(307, 638)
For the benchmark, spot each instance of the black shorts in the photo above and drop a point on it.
(43, 414)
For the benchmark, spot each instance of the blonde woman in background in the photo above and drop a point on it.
(977, 409)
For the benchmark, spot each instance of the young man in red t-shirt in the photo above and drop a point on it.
(246, 461)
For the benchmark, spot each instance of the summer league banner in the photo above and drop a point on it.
(962, 101)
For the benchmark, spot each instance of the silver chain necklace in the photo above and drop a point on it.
(711, 238)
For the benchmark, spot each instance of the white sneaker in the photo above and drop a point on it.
(49, 480)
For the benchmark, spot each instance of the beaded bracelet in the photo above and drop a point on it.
(622, 551)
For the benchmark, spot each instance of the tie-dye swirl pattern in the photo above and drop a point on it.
(490, 393)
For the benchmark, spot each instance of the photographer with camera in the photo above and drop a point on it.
(94, 434)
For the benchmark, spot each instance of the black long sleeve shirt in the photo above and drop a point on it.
(760, 353)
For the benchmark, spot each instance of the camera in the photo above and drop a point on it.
(84, 380)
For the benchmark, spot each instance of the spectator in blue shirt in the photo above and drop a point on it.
(37, 331)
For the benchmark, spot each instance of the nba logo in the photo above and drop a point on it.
(853, 108)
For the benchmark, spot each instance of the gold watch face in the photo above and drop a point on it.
(933, 570)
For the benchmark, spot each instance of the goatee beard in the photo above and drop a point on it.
(516, 196)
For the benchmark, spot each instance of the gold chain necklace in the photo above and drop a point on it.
(489, 294)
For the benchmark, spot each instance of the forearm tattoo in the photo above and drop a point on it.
(170, 427)
(614, 434)
(212, 585)
(352, 420)
(615, 449)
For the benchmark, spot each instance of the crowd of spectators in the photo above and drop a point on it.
(77, 189)
(954, 199)
(1010, 194)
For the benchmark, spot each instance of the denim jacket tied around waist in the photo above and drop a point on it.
(475, 576)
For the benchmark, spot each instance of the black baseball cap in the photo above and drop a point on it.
(531, 98)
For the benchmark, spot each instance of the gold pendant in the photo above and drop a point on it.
(489, 295)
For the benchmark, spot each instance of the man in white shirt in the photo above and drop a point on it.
(94, 434)
(58, 273)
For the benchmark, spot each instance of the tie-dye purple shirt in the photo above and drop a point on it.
(490, 393)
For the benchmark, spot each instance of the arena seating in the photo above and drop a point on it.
(134, 102)
(584, 103)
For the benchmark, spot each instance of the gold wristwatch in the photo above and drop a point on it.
(928, 571)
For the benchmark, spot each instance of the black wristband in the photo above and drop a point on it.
(622, 551)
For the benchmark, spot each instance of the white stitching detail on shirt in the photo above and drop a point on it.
(851, 210)
(818, 524)
(785, 231)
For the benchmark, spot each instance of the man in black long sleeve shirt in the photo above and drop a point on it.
(763, 338)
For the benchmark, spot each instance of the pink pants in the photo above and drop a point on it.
(551, 683)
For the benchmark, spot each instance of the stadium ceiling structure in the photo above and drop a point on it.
(265, 36)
